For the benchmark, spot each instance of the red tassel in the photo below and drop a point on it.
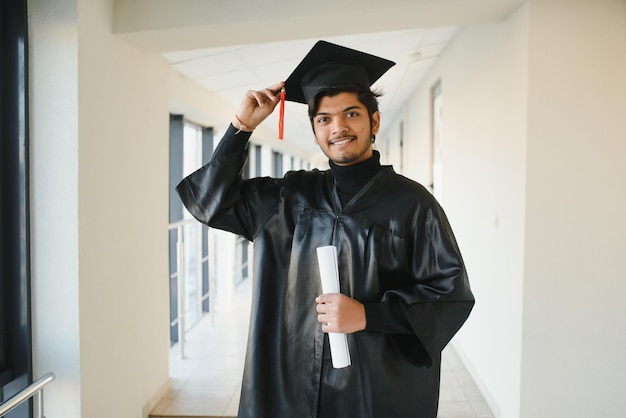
(281, 116)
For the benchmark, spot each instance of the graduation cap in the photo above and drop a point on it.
(328, 65)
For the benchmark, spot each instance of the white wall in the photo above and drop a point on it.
(416, 158)
(99, 124)
(389, 145)
(123, 216)
(484, 154)
(574, 314)
(483, 78)
(534, 185)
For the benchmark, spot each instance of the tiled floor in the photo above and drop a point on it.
(206, 383)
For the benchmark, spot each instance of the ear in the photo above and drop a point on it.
(375, 122)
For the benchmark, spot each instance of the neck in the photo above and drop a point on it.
(351, 178)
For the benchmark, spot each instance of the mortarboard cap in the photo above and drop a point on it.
(329, 64)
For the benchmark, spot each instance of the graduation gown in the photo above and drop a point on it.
(395, 250)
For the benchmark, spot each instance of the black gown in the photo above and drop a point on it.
(397, 253)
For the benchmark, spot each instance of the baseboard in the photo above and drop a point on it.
(160, 394)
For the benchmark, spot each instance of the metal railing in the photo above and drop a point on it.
(242, 265)
(35, 389)
(180, 273)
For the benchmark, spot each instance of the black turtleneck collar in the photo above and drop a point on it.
(351, 178)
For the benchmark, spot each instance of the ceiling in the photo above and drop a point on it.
(229, 47)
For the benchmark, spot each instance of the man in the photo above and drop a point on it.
(404, 290)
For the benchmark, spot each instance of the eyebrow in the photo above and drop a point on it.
(347, 109)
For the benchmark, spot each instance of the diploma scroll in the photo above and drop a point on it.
(329, 273)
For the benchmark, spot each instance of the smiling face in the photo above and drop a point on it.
(343, 128)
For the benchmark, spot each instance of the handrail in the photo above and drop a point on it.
(26, 394)
(180, 276)
(182, 222)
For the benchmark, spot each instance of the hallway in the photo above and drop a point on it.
(207, 382)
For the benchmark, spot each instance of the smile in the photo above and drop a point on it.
(342, 141)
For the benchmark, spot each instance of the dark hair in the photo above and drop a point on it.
(366, 96)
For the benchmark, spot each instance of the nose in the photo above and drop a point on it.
(339, 125)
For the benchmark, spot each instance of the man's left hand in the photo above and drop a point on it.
(340, 313)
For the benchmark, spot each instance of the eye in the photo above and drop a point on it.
(352, 114)
(322, 119)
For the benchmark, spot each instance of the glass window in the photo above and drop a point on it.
(192, 232)
(277, 164)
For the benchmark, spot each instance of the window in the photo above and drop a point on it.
(15, 322)
(436, 128)
(194, 256)
(277, 164)
(191, 146)
(257, 161)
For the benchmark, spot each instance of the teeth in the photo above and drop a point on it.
(345, 141)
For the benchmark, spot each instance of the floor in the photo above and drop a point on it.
(207, 381)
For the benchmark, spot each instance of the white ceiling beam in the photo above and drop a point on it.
(172, 25)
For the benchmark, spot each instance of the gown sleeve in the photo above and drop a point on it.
(217, 195)
(423, 317)
(386, 318)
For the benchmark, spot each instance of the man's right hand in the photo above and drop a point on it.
(256, 106)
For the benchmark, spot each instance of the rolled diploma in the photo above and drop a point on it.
(329, 273)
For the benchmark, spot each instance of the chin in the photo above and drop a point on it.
(343, 161)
